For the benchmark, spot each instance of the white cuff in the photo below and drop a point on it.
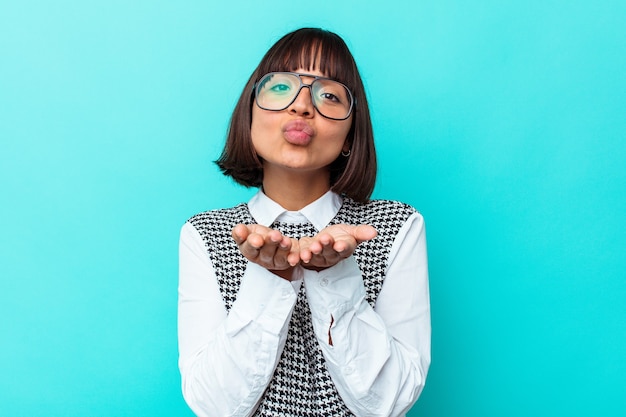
(335, 290)
(264, 298)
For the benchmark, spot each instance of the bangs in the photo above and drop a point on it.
(312, 49)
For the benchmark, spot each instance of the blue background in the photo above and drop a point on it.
(504, 122)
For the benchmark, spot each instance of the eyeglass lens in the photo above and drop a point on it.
(277, 90)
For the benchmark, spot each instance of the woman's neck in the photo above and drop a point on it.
(295, 191)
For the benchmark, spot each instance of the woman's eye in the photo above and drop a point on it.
(280, 88)
(330, 97)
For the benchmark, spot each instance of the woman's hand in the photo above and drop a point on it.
(268, 248)
(279, 254)
(333, 244)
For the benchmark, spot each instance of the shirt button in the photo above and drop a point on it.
(324, 282)
(348, 370)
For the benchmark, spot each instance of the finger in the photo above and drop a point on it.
(270, 246)
(364, 232)
(319, 250)
(255, 240)
(338, 250)
(311, 247)
(285, 243)
(344, 246)
(353, 237)
(320, 242)
(284, 256)
(250, 247)
(325, 239)
(303, 248)
(293, 257)
(240, 233)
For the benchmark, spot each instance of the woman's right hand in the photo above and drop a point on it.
(267, 248)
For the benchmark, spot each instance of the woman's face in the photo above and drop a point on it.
(298, 139)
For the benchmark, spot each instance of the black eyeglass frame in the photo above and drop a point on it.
(257, 85)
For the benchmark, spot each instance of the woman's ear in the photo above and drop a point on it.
(345, 151)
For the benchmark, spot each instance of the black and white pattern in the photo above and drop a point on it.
(301, 384)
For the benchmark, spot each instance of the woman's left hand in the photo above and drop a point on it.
(333, 244)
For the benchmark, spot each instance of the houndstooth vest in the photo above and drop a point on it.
(301, 384)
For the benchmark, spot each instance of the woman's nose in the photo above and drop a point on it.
(303, 105)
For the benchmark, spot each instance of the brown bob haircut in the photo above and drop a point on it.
(308, 48)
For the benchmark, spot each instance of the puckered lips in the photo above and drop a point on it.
(298, 132)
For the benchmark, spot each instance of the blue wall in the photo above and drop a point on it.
(503, 122)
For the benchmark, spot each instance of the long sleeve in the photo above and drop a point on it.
(227, 360)
(378, 358)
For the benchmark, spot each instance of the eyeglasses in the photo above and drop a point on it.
(277, 90)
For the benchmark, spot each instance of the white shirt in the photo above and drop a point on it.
(378, 359)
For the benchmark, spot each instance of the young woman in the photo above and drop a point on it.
(311, 299)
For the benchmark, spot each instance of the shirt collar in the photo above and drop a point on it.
(320, 212)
